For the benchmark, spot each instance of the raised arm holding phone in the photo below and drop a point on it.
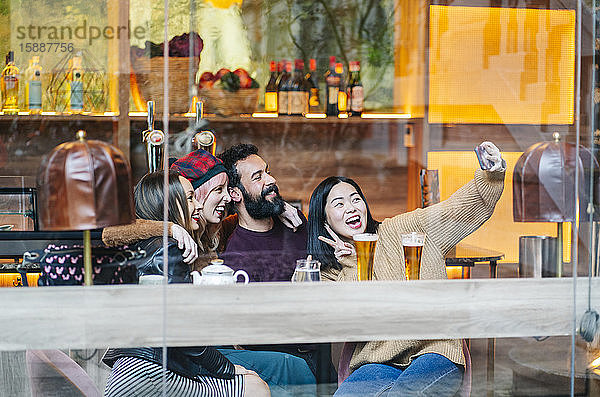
(338, 211)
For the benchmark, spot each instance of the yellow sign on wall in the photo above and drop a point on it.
(497, 65)
(500, 233)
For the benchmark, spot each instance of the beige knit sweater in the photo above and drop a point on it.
(444, 224)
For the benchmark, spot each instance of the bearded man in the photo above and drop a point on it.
(267, 250)
(260, 244)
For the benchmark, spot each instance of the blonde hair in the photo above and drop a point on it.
(207, 235)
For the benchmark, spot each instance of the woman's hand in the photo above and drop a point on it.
(492, 153)
(239, 370)
(289, 217)
(186, 243)
(340, 247)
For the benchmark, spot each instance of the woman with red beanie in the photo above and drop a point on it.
(209, 180)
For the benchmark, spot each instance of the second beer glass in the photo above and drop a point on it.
(307, 271)
(413, 248)
(365, 249)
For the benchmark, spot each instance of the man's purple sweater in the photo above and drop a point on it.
(266, 256)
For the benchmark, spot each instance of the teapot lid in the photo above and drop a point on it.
(217, 266)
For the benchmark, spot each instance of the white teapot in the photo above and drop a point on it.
(218, 274)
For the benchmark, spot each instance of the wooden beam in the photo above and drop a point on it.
(118, 72)
(88, 317)
(415, 162)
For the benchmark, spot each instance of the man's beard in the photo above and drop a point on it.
(260, 207)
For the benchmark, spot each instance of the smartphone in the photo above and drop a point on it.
(484, 163)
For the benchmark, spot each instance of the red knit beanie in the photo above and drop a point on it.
(198, 167)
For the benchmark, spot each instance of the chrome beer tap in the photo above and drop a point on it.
(203, 139)
(155, 141)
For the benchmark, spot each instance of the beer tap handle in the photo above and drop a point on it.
(150, 115)
(199, 111)
(203, 139)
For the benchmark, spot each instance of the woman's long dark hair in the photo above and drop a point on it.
(317, 218)
(149, 199)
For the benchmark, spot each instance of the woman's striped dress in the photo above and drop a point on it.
(132, 376)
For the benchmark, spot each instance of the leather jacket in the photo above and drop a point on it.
(152, 263)
(185, 361)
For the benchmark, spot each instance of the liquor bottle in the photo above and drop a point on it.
(312, 87)
(76, 85)
(332, 81)
(33, 86)
(297, 95)
(355, 90)
(10, 85)
(283, 88)
(342, 102)
(271, 90)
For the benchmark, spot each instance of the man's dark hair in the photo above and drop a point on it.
(232, 156)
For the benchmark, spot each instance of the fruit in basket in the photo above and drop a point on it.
(245, 79)
(230, 82)
(227, 80)
(221, 73)
(207, 80)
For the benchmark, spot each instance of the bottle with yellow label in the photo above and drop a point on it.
(342, 101)
(314, 102)
(271, 90)
(10, 85)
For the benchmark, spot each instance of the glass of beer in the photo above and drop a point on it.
(365, 249)
(307, 271)
(413, 247)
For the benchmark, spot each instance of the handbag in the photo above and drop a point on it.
(63, 265)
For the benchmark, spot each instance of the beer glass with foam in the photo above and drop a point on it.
(365, 250)
(413, 248)
(307, 271)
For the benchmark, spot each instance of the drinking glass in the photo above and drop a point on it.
(413, 248)
(307, 270)
(365, 250)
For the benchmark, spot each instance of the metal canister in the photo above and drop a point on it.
(537, 256)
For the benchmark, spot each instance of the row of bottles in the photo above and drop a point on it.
(297, 93)
(31, 99)
(343, 95)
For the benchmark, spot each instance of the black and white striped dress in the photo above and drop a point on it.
(133, 376)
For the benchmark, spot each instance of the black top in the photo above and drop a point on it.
(185, 361)
(179, 271)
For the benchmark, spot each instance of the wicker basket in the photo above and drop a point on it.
(227, 103)
(150, 77)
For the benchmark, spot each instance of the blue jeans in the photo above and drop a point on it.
(286, 375)
(428, 375)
